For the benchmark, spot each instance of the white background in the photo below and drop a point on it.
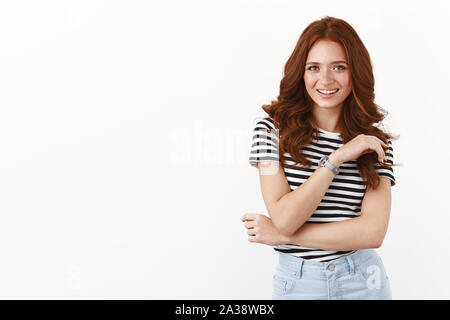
(125, 129)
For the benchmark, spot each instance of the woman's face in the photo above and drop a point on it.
(327, 69)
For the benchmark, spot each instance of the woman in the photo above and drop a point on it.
(325, 171)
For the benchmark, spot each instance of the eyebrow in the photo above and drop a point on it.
(340, 61)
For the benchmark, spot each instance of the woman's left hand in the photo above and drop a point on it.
(261, 229)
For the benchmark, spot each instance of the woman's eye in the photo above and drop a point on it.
(341, 68)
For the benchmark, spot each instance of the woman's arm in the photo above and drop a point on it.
(365, 231)
(290, 210)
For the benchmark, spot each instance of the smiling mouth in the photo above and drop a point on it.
(327, 92)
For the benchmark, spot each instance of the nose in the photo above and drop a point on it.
(326, 77)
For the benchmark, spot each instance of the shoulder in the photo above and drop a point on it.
(264, 123)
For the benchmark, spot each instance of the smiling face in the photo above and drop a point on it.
(327, 77)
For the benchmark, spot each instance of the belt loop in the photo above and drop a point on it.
(301, 268)
(351, 265)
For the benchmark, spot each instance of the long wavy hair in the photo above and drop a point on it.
(291, 112)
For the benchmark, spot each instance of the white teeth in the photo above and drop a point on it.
(327, 91)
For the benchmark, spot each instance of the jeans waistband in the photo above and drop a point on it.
(346, 264)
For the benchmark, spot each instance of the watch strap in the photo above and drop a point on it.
(323, 162)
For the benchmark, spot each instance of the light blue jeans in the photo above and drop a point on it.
(360, 275)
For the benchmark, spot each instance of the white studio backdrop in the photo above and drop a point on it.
(125, 129)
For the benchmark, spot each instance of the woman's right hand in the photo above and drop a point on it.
(358, 146)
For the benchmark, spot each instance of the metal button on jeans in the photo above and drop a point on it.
(331, 267)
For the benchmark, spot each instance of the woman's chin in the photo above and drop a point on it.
(329, 105)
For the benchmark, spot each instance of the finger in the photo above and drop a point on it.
(251, 232)
(380, 151)
(250, 224)
(381, 141)
(248, 216)
(384, 153)
(375, 146)
(369, 150)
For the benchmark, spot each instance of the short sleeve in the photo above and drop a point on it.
(264, 143)
(388, 172)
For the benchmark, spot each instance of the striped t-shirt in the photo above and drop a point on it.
(344, 196)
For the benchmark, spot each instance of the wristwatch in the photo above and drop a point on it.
(323, 162)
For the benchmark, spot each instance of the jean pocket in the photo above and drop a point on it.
(373, 273)
(282, 285)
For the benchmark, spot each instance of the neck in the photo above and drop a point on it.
(326, 118)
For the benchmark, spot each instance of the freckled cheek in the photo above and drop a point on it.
(345, 85)
(310, 81)
(343, 80)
